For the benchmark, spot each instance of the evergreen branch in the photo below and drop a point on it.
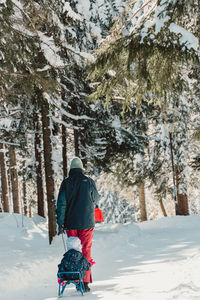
(36, 31)
(23, 33)
(26, 15)
(126, 24)
(18, 74)
(8, 143)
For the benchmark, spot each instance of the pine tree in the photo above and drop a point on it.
(115, 209)
(86, 28)
(38, 165)
(148, 63)
(31, 60)
(14, 180)
(4, 180)
(151, 57)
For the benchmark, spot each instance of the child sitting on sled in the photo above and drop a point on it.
(73, 261)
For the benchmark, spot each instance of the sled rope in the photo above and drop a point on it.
(64, 243)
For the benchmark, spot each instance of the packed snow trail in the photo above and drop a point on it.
(157, 260)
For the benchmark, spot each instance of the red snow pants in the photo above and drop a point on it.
(85, 235)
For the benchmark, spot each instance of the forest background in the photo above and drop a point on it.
(113, 82)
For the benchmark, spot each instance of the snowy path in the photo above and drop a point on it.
(154, 260)
(162, 262)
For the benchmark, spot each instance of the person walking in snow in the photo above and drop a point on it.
(75, 209)
(98, 215)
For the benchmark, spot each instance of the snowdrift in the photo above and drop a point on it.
(152, 260)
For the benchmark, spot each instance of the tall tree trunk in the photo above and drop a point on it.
(30, 210)
(173, 174)
(79, 145)
(38, 167)
(183, 208)
(83, 153)
(76, 142)
(25, 204)
(64, 138)
(143, 212)
(64, 149)
(4, 180)
(162, 208)
(9, 177)
(49, 173)
(14, 179)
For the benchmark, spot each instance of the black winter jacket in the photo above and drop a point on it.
(76, 201)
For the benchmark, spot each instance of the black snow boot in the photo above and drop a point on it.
(87, 289)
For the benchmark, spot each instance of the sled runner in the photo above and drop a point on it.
(70, 277)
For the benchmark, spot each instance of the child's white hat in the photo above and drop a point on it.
(74, 242)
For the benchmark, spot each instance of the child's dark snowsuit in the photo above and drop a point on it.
(73, 261)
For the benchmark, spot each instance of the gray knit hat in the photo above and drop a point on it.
(76, 163)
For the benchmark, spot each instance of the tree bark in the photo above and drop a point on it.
(143, 212)
(9, 177)
(183, 208)
(4, 180)
(78, 145)
(49, 173)
(162, 208)
(64, 149)
(30, 210)
(83, 153)
(38, 167)
(64, 138)
(76, 142)
(173, 173)
(14, 179)
(25, 204)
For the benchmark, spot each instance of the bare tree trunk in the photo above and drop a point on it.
(173, 174)
(4, 180)
(183, 204)
(76, 142)
(83, 153)
(79, 145)
(49, 174)
(143, 212)
(9, 177)
(14, 179)
(64, 139)
(25, 204)
(30, 210)
(183, 208)
(64, 149)
(162, 208)
(38, 166)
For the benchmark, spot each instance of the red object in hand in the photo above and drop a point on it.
(98, 215)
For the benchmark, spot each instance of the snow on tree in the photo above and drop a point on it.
(43, 49)
(42, 71)
(115, 209)
(155, 57)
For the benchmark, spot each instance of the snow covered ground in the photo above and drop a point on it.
(153, 260)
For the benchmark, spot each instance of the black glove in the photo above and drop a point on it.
(60, 229)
